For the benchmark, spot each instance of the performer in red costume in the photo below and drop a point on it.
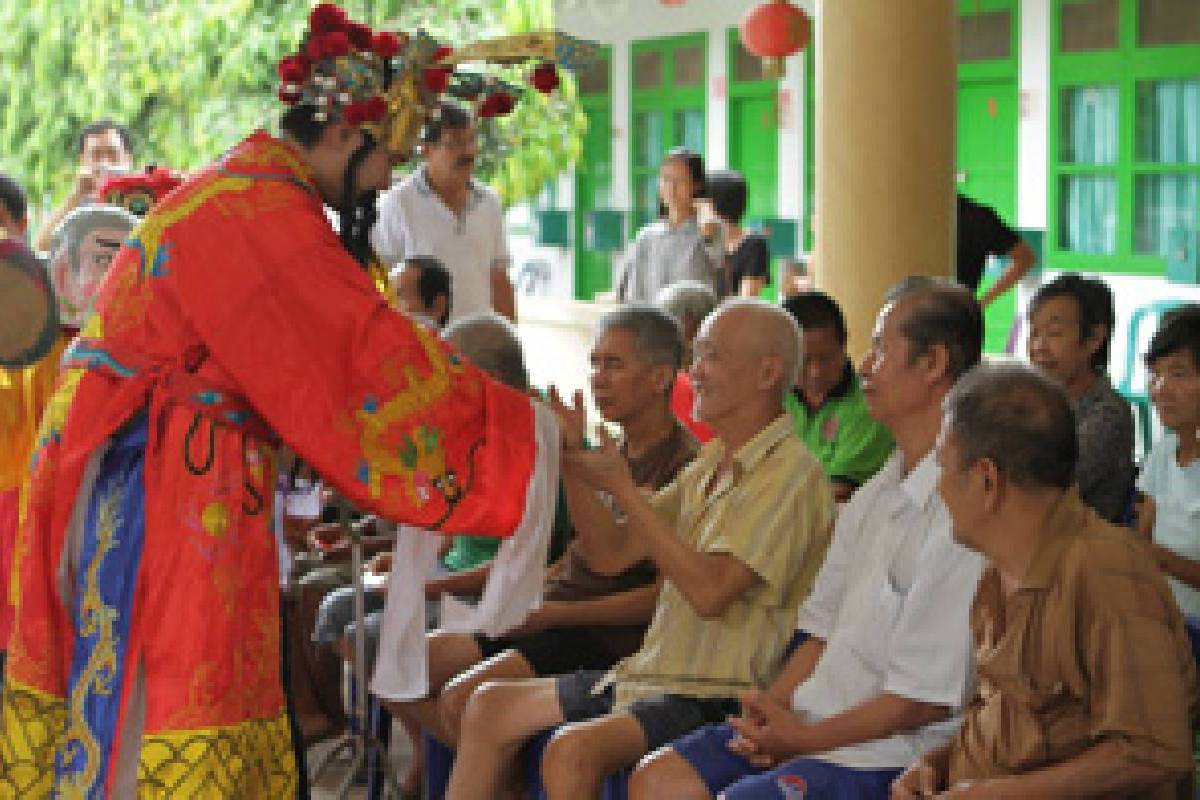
(144, 657)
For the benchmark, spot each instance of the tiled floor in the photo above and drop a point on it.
(331, 778)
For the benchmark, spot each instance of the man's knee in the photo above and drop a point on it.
(452, 704)
(488, 714)
(569, 756)
(665, 773)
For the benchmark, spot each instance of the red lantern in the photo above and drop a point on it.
(773, 31)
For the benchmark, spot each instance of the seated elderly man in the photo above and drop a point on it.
(828, 403)
(886, 668)
(421, 288)
(589, 619)
(689, 302)
(1085, 682)
(738, 537)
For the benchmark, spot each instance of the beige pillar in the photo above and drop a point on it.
(885, 95)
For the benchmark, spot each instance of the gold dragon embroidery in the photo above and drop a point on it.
(421, 454)
(97, 619)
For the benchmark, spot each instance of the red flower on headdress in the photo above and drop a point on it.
(386, 44)
(325, 18)
(292, 70)
(360, 35)
(376, 109)
(355, 114)
(544, 78)
(437, 79)
(441, 53)
(497, 104)
(314, 50)
(336, 43)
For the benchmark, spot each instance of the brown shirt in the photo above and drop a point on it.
(1090, 648)
(575, 580)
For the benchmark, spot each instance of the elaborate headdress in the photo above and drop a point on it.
(138, 192)
(389, 83)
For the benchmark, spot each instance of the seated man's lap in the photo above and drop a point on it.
(725, 772)
(556, 651)
(663, 718)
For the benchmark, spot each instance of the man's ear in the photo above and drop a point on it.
(1095, 338)
(994, 484)
(771, 370)
(441, 306)
(662, 375)
(937, 363)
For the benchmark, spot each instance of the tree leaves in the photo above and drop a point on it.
(191, 79)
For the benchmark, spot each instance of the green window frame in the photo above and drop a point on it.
(667, 102)
(992, 68)
(593, 267)
(1120, 69)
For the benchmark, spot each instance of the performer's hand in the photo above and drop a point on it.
(602, 467)
(571, 419)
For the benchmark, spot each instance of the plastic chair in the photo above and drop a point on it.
(1140, 399)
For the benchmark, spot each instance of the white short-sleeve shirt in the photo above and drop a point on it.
(413, 221)
(1176, 493)
(892, 604)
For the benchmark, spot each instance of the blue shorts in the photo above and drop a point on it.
(724, 771)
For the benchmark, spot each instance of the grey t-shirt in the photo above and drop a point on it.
(1104, 472)
(663, 254)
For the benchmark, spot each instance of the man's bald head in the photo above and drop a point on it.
(751, 331)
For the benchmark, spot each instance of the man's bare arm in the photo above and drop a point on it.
(1021, 259)
(1103, 770)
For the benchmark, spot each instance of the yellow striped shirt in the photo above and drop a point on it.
(773, 512)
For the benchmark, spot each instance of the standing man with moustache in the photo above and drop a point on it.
(440, 210)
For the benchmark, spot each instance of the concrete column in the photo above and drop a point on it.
(886, 87)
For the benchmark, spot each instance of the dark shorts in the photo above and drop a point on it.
(553, 652)
(725, 772)
(663, 718)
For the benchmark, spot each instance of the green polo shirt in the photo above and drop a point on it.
(848, 442)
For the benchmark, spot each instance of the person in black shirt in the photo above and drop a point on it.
(982, 233)
(747, 257)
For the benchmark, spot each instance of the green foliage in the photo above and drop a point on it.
(191, 79)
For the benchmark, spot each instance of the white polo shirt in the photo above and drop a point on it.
(413, 222)
(892, 603)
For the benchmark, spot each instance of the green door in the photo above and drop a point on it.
(987, 144)
(593, 189)
(667, 81)
(987, 172)
(754, 151)
(593, 177)
(754, 134)
(987, 129)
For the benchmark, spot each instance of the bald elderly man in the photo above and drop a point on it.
(739, 536)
